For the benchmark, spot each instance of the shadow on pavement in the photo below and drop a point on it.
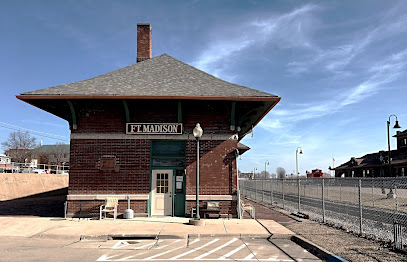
(46, 204)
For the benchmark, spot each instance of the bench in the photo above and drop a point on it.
(211, 210)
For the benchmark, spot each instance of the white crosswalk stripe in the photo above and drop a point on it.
(216, 249)
(195, 249)
(233, 252)
(199, 249)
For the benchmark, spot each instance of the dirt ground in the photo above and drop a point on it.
(339, 242)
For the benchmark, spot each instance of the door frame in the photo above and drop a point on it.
(170, 188)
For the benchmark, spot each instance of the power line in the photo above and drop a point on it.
(31, 130)
(37, 134)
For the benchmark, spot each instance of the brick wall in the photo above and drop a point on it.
(133, 160)
(217, 167)
(91, 208)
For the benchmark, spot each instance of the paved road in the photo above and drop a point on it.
(194, 249)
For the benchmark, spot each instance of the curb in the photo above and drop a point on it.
(57, 237)
(265, 236)
(317, 250)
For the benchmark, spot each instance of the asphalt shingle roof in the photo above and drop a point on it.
(159, 76)
(48, 149)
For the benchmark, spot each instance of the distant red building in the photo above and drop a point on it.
(131, 134)
(315, 173)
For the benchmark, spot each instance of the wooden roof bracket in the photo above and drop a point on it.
(232, 117)
(179, 111)
(74, 125)
(126, 110)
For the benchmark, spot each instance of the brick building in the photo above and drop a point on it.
(377, 164)
(131, 134)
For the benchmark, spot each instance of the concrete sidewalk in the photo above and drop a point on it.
(142, 226)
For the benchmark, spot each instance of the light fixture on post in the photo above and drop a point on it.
(396, 125)
(298, 177)
(265, 168)
(197, 134)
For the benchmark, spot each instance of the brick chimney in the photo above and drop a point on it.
(144, 46)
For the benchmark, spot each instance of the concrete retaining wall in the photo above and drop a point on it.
(15, 185)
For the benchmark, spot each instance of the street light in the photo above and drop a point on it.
(197, 134)
(265, 168)
(396, 125)
(298, 177)
(254, 173)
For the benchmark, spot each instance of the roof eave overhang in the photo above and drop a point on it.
(276, 100)
(226, 98)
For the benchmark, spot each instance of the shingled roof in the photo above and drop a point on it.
(161, 76)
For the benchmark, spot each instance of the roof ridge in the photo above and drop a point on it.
(206, 73)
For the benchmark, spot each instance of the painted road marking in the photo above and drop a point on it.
(147, 245)
(176, 241)
(166, 252)
(211, 249)
(195, 249)
(216, 249)
(250, 256)
(232, 252)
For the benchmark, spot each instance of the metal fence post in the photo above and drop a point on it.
(372, 192)
(283, 195)
(397, 201)
(323, 200)
(255, 186)
(271, 192)
(340, 192)
(360, 207)
(262, 191)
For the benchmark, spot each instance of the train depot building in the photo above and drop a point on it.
(132, 135)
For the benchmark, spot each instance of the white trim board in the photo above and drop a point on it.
(103, 197)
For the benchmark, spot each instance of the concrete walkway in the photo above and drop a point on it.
(152, 226)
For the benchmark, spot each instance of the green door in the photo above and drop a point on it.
(170, 154)
(179, 194)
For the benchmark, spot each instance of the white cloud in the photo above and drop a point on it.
(336, 59)
(285, 30)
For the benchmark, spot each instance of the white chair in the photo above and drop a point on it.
(247, 207)
(110, 205)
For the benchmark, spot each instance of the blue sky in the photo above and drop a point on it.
(339, 66)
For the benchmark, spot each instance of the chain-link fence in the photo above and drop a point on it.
(372, 206)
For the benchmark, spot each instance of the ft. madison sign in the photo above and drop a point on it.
(153, 129)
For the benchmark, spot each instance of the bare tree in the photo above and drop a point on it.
(58, 153)
(280, 172)
(265, 175)
(18, 145)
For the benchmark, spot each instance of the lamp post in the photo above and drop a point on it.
(265, 168)
(197, 134)
(254, 173)
(396, 125)
(298, 177)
